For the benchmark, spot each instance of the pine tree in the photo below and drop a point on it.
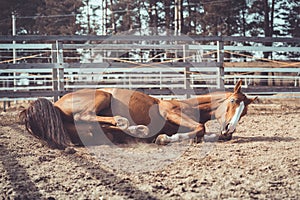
(21, 9)
(125, 15)
(58, 17)
(289, 12)
(89, 20)
(222, 17)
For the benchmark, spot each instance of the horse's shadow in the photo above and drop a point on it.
(240, 139)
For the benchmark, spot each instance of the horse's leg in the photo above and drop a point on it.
(117, 121)
(197, 131)
(180, 119)
(100, 102)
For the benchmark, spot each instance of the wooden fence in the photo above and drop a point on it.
(185, 66)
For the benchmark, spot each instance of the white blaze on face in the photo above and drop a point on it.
(236, 117)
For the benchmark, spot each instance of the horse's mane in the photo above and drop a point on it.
(43, 121)
(208, 99)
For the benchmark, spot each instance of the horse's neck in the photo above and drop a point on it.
(208, 103)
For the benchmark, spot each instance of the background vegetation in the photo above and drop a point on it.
(194, 17)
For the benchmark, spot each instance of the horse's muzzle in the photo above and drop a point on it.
(226, 133)
(228, 129)
(225, 137)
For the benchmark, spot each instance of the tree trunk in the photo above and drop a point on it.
(268, 30)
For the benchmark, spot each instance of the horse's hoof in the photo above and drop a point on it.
(140, 131)
(162, 139)
(122, 122)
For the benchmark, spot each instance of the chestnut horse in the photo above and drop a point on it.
(83, 116)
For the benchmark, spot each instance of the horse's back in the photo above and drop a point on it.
(82, 101)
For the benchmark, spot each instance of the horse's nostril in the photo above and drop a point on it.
(227, 127)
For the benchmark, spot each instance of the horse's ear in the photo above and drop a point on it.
(238, 86)
(251, 100)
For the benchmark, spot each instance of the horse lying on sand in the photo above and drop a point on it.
(84, 116)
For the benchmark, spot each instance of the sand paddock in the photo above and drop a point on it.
(262, 161)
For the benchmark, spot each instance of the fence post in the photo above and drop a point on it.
(187, 81)
(55, 83)
(58, 70)
(220, 65)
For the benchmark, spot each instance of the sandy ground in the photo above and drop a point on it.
(260, 162)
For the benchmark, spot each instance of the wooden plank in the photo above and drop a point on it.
(103, 46)
(245, 48)
(26, 76)
(28, 66)
(31, 94)
(261, 39)
(255, 69)
(262, 64)
(154, 91)
(174, 91)
(270, 90)
(260, 77)
(193, 66)
(132, 81)
(170, 38)
(125, 70)
(25, 46)
(141, 65)
(128, 86)
(25, 88)
(101, 38)
(261, 48)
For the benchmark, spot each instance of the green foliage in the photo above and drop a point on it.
(21, 8)
(62, 20)
(204, 17)
(42, 17)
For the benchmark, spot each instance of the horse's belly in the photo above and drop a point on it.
(137, 107)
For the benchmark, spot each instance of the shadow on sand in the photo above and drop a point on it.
(20, 181)
(111, 181)
(24, 187)
(239, 139)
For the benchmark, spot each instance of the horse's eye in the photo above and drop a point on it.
(232, 100)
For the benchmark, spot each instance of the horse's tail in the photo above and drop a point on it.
(44, 121)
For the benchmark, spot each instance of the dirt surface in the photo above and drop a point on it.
(260, 162)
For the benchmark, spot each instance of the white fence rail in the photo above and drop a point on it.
(183, 77)
(187, 65)
(138, 53)
(69, 78)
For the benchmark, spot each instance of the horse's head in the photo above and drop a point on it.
(231, 110)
